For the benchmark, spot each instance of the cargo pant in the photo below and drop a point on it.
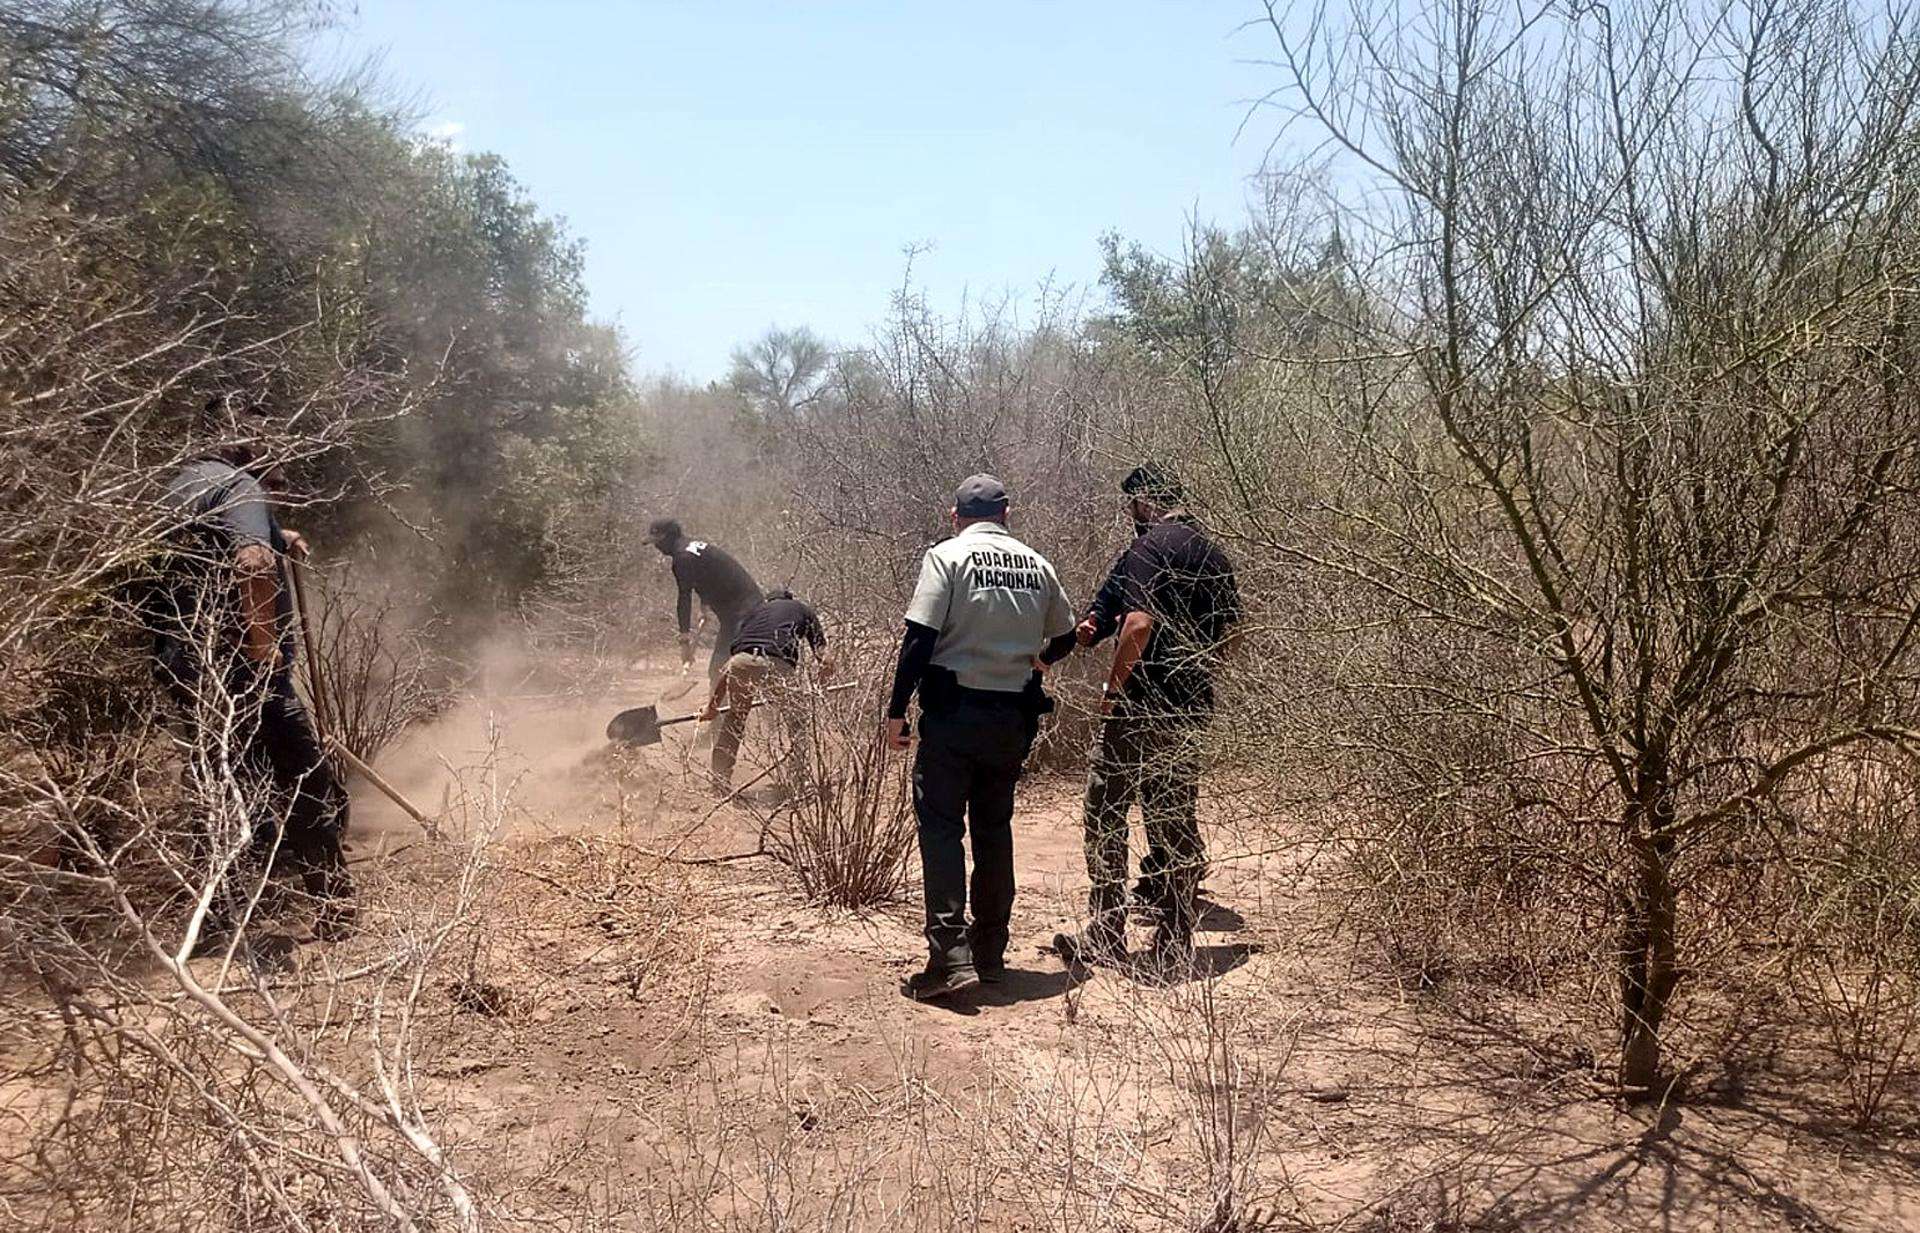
(970, 753)
(1156, 761)
(762, 680)
(296, 803)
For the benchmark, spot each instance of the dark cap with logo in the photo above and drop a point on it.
(980, 496)
(1153, 482)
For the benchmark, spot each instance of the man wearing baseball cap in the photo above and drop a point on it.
(985, 607)
(1172, 603)
(723, 584)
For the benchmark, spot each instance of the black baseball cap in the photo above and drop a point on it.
(980, 496)
(1153, 482)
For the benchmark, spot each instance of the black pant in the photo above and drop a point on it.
(1157, 762)
(294, 797)
(728, 624)
(970, 755)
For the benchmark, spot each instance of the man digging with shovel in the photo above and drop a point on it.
(765, 662)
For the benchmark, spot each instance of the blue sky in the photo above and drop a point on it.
(735, 166)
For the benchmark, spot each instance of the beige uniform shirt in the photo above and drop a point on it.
(996, 603)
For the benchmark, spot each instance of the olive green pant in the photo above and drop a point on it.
(1155, 761)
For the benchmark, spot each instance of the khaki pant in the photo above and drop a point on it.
(754, 681)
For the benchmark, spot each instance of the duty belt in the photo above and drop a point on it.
(986, 697)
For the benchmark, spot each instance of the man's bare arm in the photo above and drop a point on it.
(1130, 646)
(258, 575)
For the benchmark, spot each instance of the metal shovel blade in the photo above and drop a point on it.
(637, 726)
(642, 724)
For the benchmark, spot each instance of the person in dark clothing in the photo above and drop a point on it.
(224, 650)
(779, 628)
(1101, 622)
(722, 583)
(765, 663)
(1180, 601)
(984, 607)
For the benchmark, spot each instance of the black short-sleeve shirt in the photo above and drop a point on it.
(776, 629)
(1182, 579)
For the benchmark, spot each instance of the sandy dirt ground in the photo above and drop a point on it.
(664, 1043)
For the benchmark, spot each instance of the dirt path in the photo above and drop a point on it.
(705, 1049)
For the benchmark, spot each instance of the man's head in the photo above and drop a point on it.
(1151, 491)
(980, 498)
(778, 593)
(233, 423)
(665, 534)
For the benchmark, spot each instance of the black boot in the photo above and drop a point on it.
(1170, 959)
(1148, 892)
(1090, 949)
(936, 983)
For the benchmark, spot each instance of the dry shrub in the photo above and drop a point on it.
(849, 827)
(379, 672)
(1443, 1205)
(760, 1144)
(1854, 924)
(637, 906)
(158, 1088)
(1225, 1088)
(1464, 858)
(1444, 896)
(244, 1084)
(1158, 1116)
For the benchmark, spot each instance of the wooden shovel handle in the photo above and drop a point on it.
(687, 719)
(316, 684)
(377, 780)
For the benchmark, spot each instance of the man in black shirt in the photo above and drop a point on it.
(722, 583)
(1102, 621)
(765, 660)
(1174, 600)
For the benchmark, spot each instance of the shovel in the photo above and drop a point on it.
(641, 725)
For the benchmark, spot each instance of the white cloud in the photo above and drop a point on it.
(445, 133)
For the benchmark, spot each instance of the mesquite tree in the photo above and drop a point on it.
(1624, 422)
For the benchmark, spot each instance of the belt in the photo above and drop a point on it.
(986, 697)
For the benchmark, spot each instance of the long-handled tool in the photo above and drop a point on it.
(386, 789)
(316, 683)
(329, 740)
(641, 725)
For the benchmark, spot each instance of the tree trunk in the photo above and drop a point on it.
(1648, 969)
